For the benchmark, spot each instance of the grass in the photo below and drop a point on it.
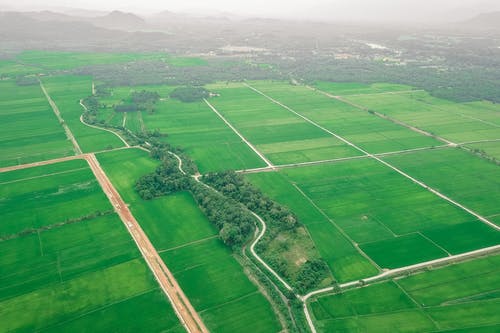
(213, 280)
(48, 280)
(280, 135)
(404, 251)
(124, 168)
(376, 208)
(55, 60)
(50, 197)
(471, 181)
(66, 91)
(174, 221)
(457, 298)
(10, 68)
(344, 261)
(195, 128)
(490, 148)
(458, 122)
(368, 131)
(29, 129)
(192, 126)
(353, 88)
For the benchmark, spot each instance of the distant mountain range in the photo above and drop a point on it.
(485, 21)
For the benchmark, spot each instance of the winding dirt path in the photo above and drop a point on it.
(101, 128)
(394, 273)
(183, 308)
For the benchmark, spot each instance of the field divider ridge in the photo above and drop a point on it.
(248, 143)
(67, 130)
(392, 273)
(383, 116)
(387, 164)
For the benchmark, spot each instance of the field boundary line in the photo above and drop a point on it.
(68, 132)
(305, 118)
(394, 92)
(383, 116)
(478, 141)
(395, 273)
(334, 160)
(342, 232)
(42, 176)
(399, 171)
(249, 144)
(41, 163)
(100, 128)
(186, 313)
(188, 244)
(408, 269)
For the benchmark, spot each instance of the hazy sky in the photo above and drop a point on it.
(306, 9)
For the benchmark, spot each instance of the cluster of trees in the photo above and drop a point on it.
(30, 80)
(166, 179)
(140, 101)
(189, 94)
(236, 187)
(234, 222)
(281, 221)
(311, 273)
(145, 100)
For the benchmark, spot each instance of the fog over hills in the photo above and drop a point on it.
(324, 10)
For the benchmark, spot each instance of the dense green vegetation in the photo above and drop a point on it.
(193, 126)
(349, 218)
(234, 223)
(189, 244)
(189, 94)
(282, 224)
(458, 297)
(344, 260)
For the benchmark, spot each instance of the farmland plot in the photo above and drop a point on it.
(29, 129)
(212, 279)
(280, 135)
(459, 298)
(67, 262)
(366, 130)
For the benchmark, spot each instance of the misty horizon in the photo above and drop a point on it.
(320, 10)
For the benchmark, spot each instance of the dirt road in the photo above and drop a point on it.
(185, 311)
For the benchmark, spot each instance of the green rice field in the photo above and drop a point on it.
(367, 131)
(205, 268)
(457, 298)
(29, 128)
(59, 236)
(454, 121)
(280, 135)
